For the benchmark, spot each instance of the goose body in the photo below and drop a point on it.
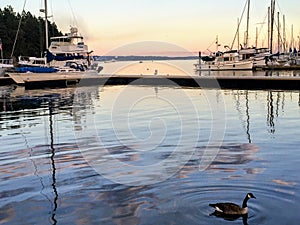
(228, 208)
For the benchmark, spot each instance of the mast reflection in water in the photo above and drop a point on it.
(46, 180)
(53, 163)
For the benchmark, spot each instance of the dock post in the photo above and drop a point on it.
(200, 56)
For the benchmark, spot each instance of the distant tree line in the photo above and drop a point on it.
(31, 37)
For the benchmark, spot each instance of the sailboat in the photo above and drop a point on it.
(228, 60)
(220, 61)
(265, 57)
(254, 53)
(285, 57)
(65, 54)
(261, 57)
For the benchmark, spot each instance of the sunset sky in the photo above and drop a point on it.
(182, 25)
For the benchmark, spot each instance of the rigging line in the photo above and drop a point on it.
(208, 49)
(262, 26)
(279, 8)
(237, 31)
(52, 18)
(52, 14)
(31, 157)
(263, 23)
(19, 25)
(281, 12)
(73, 14)
(30, 153)
(41, 32)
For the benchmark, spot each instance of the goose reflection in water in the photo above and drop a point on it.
(231, 217)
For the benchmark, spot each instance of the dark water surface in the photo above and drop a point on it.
(147, 155)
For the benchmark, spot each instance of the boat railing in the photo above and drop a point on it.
(6, 61)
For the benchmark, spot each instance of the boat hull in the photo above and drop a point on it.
(241, 65)
(5, 64)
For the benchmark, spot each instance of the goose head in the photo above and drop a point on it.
(250, 195)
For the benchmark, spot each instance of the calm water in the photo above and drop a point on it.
(147, 155)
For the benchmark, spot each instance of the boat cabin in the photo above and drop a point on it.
(248, 53)
(71, 43)
(229, 56)
(31, 61)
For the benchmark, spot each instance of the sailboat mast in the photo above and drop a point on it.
(238, 34)
(272, 24)
(248, 19)
(292, 36)
(269, 27)
(46, 24)
(284, 34)
(256, 38)
(299, 42)
(278, 21)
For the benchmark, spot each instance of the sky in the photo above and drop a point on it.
(161, 27)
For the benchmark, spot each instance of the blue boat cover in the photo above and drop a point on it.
(50, 57)
(36, 69)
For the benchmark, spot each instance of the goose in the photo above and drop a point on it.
(228, 208)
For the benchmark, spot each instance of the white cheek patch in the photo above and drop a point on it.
(218, 209)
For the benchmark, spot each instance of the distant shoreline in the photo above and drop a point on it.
(142, 58)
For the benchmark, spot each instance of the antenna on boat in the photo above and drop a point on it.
(217, 43)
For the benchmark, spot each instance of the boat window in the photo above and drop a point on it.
(6, 61)
(38, 62)
(60, 39)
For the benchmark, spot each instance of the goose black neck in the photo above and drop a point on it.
(245, 202)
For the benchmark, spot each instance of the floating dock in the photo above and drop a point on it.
(37, 81)
(277, 67)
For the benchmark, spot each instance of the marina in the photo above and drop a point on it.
(253, 57)
(139, 132)
(275, 79)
